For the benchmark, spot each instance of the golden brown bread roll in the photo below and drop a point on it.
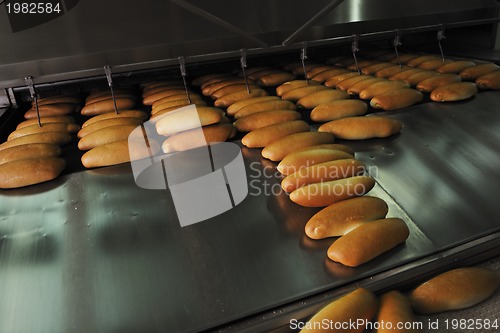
(157, 89)
(184, 140)
(153, 84)
(381, 87)
(229, 89)
(318, 69)
(416, 78)
(176, 104)
(30, 171)
(264, 106)
(176, 98)
(456, 289)
(454, 92)
(266, 135)
(57, 138)
(273, 80)
(51, 110)
(320, 97)
(108, 98)
(489, 81)
(357, 306)
(333, 81)
(235, 107)
(395, 314)
(107, 123)
(182, 121)
(105, 135)
(208, 89)
(297, 160)
(333, 146)
(415, 62)
(295, 94)
(455, 67)
(150, 99)
(105, 106)
(117, 152)
(31, 150)
(107, 92)
(360, 128)
(356, 88)
(299, 70)
(278, 149)
(324, 76)
(121, 114)
(287, 86)
(404, 58)
(401, 76)
(254, 75)
(201, 79)
(236, 96)
(262, 119)
(52, 127)
(343, 216)
(338, 109)
(362, 63)
(396, 99)
(368, 241)
(432, 65)
(348, 83)
(473, 73)
(326, 193)
(372, 69)
(432, 83)
(390, 71)
(58, 99)
(321, 172)
(46, 120)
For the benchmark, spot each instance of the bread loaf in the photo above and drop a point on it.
(273, 80)
(208, 89)
(396, 99)
(264, 106)
(262, 119)
(166, 87)
(46, 120)
(404, 58)
(184, 140)
(489, 81)
(295, 94)
(297, 160)
(235, 107)
(109, 97)
(57, 138)
(415, 62)
(51, 110)
(326, 193)
(318, 69)
(266, 135)
(356, 88)
(101, 107)
(456, 289)
(368, 241)
(348, 83)
(121, 114)
(287, 86)
(175, 105)
(395, 314)
(324, 76)
(182, 120)
(473, 73)
(333, 146)
(333, 81)
(58, 99)
(30, 171)
(360, 128)
(415, 79)
(455, 67)
(341, 217)
(150, 99)
(390, 71)
(432, 83)
(232, 88)
(338, 109)
(105, 135)
(401, 76)
(201, 79)
(52, 127)
(454, 92)
(372, 69)
(31, 150)
(325, 96)
(108, 123)
(278, 149)
(432, 65)
(118, 152)
(381, 87)
(234, 97)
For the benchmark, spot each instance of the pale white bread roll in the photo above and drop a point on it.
(321, 172)
(264, 106)
(346, 215)
(262, 119)
(105, 106)
(489, 81)
(264, 136)
(184, 120)
(297, 160)
(30, 171)
(51, 110)
(52, 127)
(473, 73)
(121, 114)
(227, 100)
(432, 83)
(297, 93)
(397, 99)
(46, 120)
(30, 150)
(326, 193)
(395, 314)
(320, 97)
(189, 139)
(338, 109)
(57, 138)
(105, 135)
(368, 241)
(454, 92)
(235, 107)
(107, 123)
(278, 149)
(360, 128)
(456, 289)
(359, 305)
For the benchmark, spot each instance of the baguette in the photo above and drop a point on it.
(333, 81)
(358, 306)
(53, 127)
(454, 92)
(262, 119)
(229, 89)
(30, 171)
(356, 88)
(227, 100)
(360, 128)
(105, 135)
(231, 110)
(321, 172)
(456, 289)
(264, 106)
(58, 99)
(31, 150)
(182, 121)
(294, 162)
(295, 94)
(287, 86)
(150, 99)
(324, 96)
(184, 140)
(473, 73)
(278, 149)
(415, 62)
(326, 193)
(343, 216)
(432, 83)
(368, 241)
(372, 69)
(434, 64)
(381, 87)
(401, 76)
(51, 110)
(489, 81)
(101, 107)
(396, 99)
(338, 109)
(107, 123)
(348, 83)
(46, 120)
(395, 310)
(264, 136)
(455, 67)
(121, 114)
(324, 76)
(57, 138)
(334, 146)
(118, 152)
(416, 78)
(273, 80)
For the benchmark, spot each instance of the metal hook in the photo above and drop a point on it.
(31, 88)
(303, 57)
(440, 37)
(182, 66)
(107, 71)
(396, 43)
(243, 62)
(354, 49)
